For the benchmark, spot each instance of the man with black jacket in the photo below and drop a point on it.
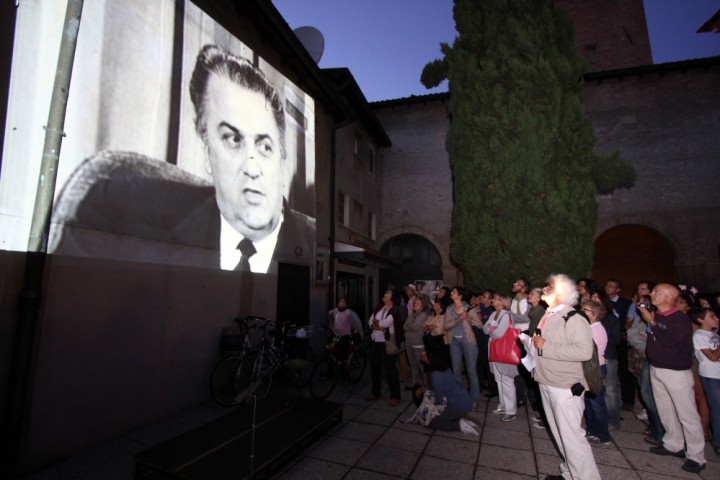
(669, 351)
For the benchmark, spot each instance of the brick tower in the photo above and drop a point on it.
(610, 34)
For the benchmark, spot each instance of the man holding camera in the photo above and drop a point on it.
(670, 351)
(565, 343)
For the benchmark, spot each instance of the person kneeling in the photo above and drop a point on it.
(448, 391)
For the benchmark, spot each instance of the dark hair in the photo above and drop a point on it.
(605, 299)
(589, 284)
(444, 304)
(447, 291)
(213, 60)
(462, 291)
(650, 284)
(395, 297)
(437, 353)
(527, 287)
(697, 314)
(617, 281)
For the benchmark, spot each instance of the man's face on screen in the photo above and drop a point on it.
(244, 152)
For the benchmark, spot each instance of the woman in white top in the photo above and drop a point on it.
(381, 323)
(496, 326)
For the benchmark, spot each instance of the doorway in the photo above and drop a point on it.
(352, 287)
(633, 253)
(293, 294)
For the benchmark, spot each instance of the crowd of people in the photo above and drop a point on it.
(660, 349)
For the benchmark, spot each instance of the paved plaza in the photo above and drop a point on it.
(372, 443)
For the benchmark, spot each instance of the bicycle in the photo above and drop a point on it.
(237, 377)
(348, 364)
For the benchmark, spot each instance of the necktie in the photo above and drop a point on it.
(247, 249)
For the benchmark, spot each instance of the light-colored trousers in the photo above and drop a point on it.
(564, 413)
(506, 392)
(675, 402)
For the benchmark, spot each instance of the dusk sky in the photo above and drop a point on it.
(386, 43)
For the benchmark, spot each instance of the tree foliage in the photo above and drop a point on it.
(520, 145)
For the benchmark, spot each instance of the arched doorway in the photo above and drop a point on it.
(419, 258)
(633, 253)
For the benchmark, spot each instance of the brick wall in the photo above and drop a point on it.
(416, 191)
(610, 34)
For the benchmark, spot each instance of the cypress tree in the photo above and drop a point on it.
(520, 146)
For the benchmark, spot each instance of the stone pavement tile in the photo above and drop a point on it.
(518, 425)
(610, 455)
(492, 474)
(710, 454)
(711, 472)
(657, 476)
(389, 460)
(362, 432)
(506, 438)
(432, 467)
(405, 440)
(545, 446)
(349, 411)
(625, 440)
(649, 462)
(339, 450)
(360, 474)
(547, 464)
(507, 459)
(632, 425)
(314, 469)
(608, 472)
(377, 416)
(453, 449)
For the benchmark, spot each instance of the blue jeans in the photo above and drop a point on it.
(657, 431)
(459, 349)
(612, 392)
(596, 416)
(712, 392)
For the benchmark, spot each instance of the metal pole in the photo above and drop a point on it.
(40, 227)
(14, 419)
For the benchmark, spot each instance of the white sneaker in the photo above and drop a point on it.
(498, 411)
(467, 428)
(642, 415)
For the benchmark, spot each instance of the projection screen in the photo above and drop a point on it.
(147, 171)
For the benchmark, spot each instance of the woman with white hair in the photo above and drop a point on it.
(565, 343)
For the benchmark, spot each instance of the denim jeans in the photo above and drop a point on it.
(712, 392)
(459, 349)
(657, 431)
(596, 416)
(612, 392)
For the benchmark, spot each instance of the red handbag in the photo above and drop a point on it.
(506, 349)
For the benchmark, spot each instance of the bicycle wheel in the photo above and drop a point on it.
(305, 375)
(323, 378)
(355, 366)
(223, 386)
(253, 377)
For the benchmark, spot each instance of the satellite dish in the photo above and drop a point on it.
(312, 40)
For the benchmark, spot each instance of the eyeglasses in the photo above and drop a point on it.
(549, 288)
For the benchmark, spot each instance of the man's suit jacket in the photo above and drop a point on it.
(125, 206)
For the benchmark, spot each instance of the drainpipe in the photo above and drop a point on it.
(18, 396)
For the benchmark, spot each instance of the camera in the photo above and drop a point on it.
(647, 306)
(577, 389)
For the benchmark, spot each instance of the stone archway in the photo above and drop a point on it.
(633, 253)
(420, 260)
